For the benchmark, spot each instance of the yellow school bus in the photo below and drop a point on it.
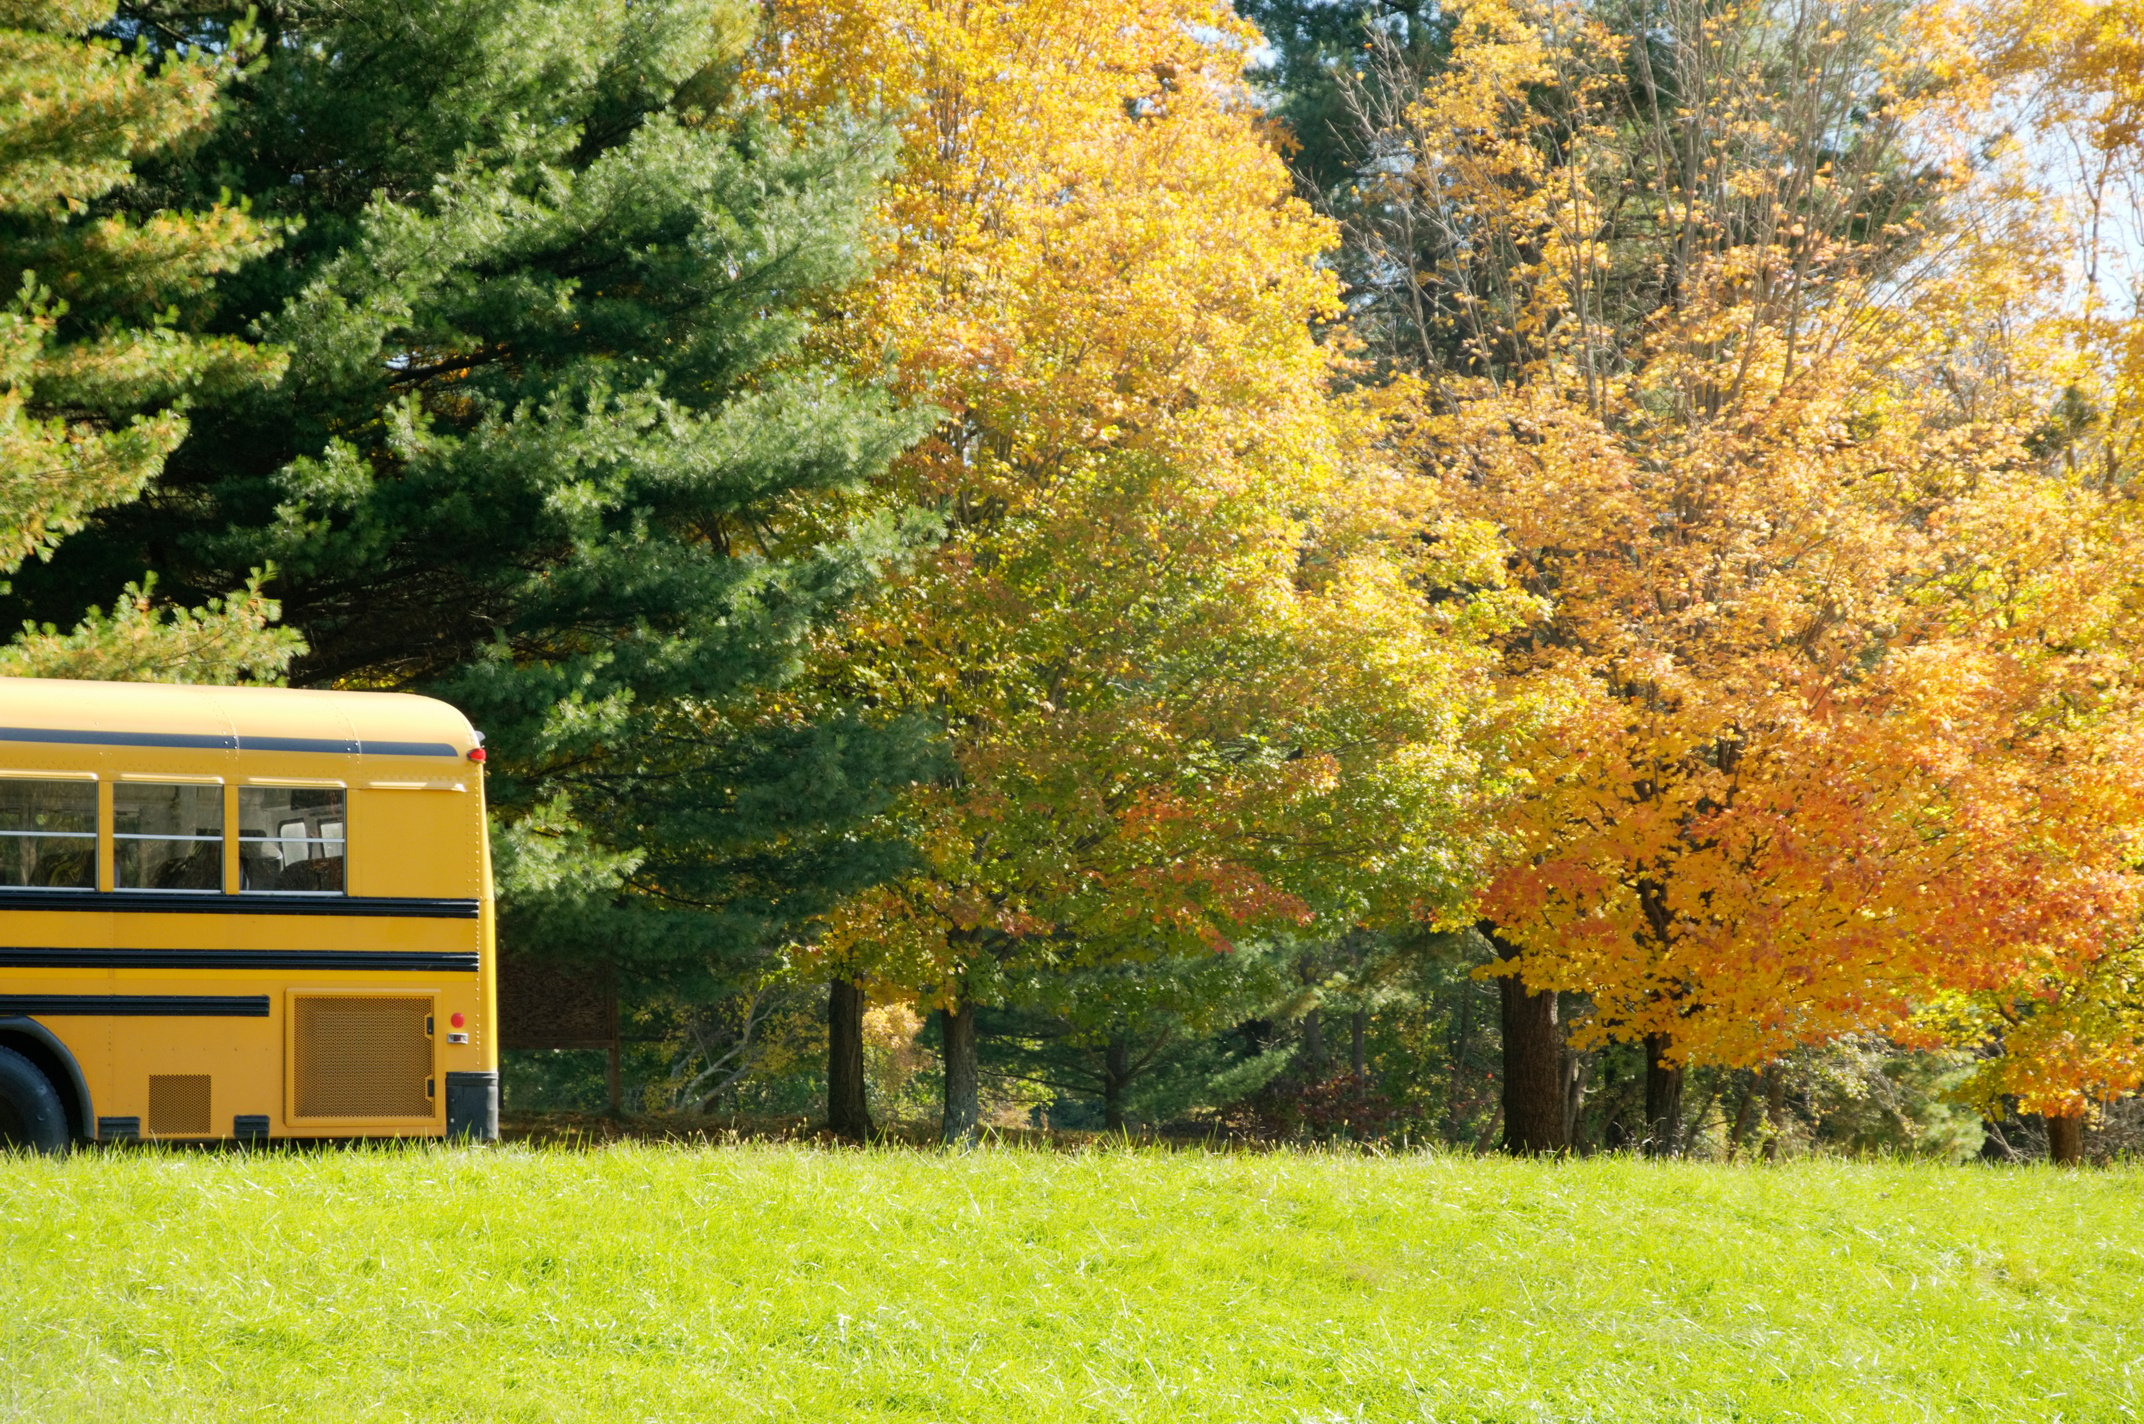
(242, 913)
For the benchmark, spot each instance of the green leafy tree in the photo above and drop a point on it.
(546, 447)
(101, 346)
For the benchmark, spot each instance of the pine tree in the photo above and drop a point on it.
(546, 447)
(1318, 76)
(100, 354)
(1142, 1042)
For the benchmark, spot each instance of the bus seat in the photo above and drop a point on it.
(64, 867)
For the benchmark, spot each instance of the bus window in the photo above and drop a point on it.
(167, 837)
(48, 834)
(290, 838)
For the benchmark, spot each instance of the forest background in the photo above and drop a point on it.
(1558, 574)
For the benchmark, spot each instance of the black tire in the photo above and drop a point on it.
(31, 1113)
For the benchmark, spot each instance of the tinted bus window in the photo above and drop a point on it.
(48, 833)
(167, 837)
(290, 838)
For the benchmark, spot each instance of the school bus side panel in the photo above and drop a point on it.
(423, 843)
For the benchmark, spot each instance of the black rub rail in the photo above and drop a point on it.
(416, 961)
(193, 1006)
(215, 902)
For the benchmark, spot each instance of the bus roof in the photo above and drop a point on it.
(152, 714)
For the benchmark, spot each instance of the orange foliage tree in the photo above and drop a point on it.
(2071, 1031)
(1733, 321)
(1195, 676)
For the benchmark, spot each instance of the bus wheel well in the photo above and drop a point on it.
(35, 1042)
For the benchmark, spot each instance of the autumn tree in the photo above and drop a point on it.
(1192, 682)
(1313, 62)
(1709, 318)
(103, 345)
(2061, 1033)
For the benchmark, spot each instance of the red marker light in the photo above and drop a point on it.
(476, 753)
(458, 1020)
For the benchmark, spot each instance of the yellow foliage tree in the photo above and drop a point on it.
(1194, 678)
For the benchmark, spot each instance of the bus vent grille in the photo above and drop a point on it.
(365, 1056)
(178, 1105)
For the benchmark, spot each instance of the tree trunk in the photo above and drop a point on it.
(963, 1109)
(1775, 1111)
(1576, 1067)
(1740, 1129)
(848, 1116)
(1310, 1058)
(1116, 1077)
(1358, 1028)
(2065, 1140)
(1488, 1133)
(1533, 1069)
(1663, 1099)
(1464, 1043)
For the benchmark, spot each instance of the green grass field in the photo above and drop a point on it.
(638, 1283)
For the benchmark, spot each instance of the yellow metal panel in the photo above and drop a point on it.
(60, 929)
(106, 872)
(425, 843)
(143, 707)
(242, 1055)
(230, 840)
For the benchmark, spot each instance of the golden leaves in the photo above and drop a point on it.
(1175, 632)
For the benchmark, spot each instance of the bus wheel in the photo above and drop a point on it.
(31, 1114)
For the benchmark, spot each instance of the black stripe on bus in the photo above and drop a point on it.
(341, 746)
(252, 902)
(226, 742)
(212, 741)
(139, 1006)
(422, 961)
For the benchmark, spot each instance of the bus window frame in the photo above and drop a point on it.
(96, 834)
(108, 831)
(233, 870)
